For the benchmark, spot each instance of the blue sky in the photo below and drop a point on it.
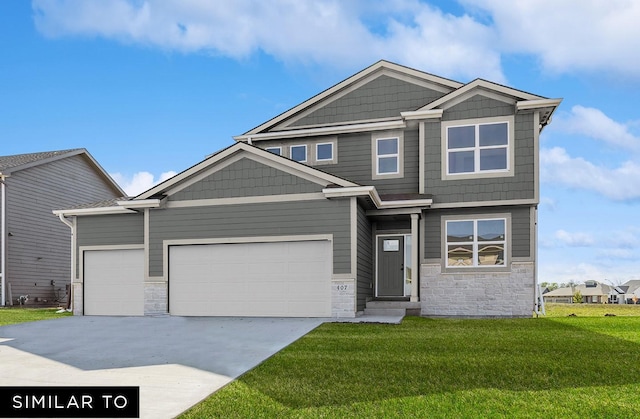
(152, 87)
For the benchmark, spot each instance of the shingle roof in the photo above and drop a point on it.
(113, 202)
(17, 160)
(632, 285)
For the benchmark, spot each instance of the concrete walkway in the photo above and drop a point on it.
(176, 361)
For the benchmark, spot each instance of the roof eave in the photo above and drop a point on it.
(93, 211)
(371, 193)
(328, 130)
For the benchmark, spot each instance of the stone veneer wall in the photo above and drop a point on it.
(343, 297)
(155, 298)
(477, 294)
(77, 303)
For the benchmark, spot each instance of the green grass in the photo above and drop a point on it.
(575, 367)
(592, 310)
(13, 315)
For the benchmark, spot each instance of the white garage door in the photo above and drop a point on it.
(114, 282)
(281, 279)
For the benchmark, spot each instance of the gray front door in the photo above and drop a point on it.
(391, 266)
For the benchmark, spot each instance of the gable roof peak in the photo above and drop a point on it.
(378, 68)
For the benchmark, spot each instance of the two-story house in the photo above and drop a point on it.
(393, 185)
(35, 247)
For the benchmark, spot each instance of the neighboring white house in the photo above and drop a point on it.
(592, 292)
(596, 292)
(631, 291)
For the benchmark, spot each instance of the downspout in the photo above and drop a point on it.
(3, 240)
(73, 257)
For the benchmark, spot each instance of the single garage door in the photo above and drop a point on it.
(114, 282)
(278, 279)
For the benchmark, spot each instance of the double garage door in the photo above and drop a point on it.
(275, 279)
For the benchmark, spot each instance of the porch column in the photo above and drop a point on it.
(415, 275)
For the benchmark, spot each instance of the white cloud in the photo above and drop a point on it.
(570, 34)
(620, 183)
(139, 182)
(576, 272)
(595, 124)
(619, 254)
(565, 36)
(548, 203)
(342, 34)
(574, 239)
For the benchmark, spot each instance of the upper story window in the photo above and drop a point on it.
(387, 155)
(478, 147)
(324, 152)
(315, 151)
(274, 150)
(298, 153)
(476, 243)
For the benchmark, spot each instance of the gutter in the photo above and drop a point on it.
(3, 239)
(123, 207)
(73, 258)
(338, 129)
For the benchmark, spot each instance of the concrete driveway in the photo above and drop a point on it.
(176, 361)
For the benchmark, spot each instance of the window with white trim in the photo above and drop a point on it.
(478, 148)
(324, 152)
(298, 153)
(274, 150)
(387, 156)
(476, 243)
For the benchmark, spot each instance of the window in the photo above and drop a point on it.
(274, 150)
(324, 151)
(298, 153)
(387, 156)
(478, 147)
(476, 243)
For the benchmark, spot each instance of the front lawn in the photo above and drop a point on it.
(546, 367)
(13, 315)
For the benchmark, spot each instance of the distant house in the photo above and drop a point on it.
(631, 291)
(592, 292)
(35, 245)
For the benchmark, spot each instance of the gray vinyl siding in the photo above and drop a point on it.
(519, 186)
(478, 106)
(355, 161)
(383, 97)
(266, 219)
(39, 245)
(364, 290)
(110, 230)
(246, 177)
(520, 234)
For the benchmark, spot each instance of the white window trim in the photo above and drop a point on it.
(375, 158)
(332, 151)
(509, 171)
(306, 152)
(475, 267)
(274, 148)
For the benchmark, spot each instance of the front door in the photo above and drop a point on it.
(390, 266)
